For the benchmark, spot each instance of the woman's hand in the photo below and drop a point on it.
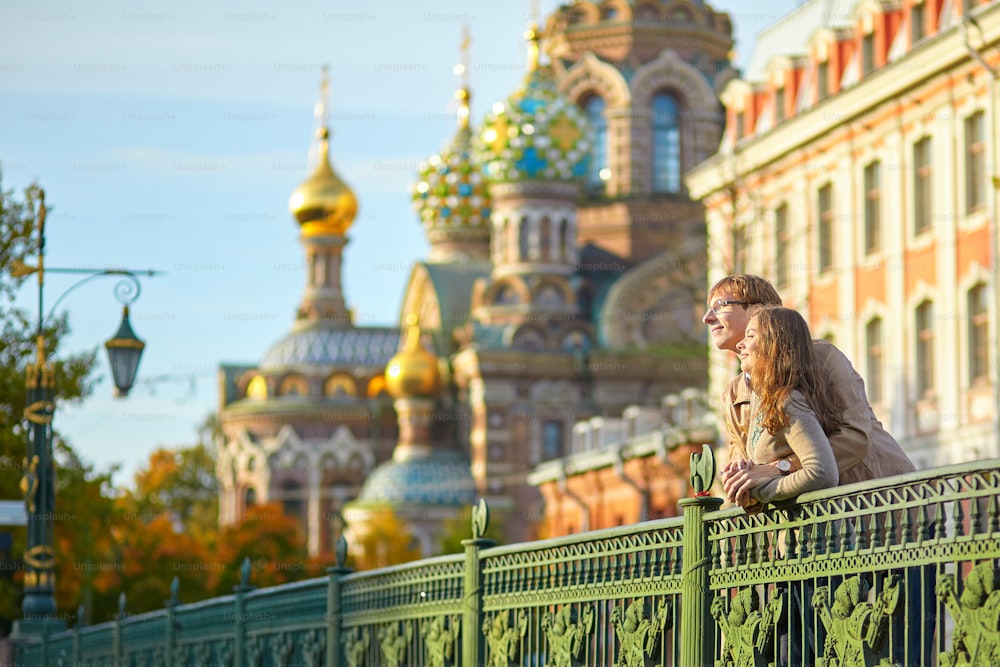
(739, 477)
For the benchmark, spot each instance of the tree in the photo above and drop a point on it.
(17, 348)
(272, 541)
(459, 528)
(180, 484)
(381, 540)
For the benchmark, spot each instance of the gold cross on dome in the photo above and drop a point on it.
(564, 132)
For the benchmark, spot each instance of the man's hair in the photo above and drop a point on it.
(747, 287)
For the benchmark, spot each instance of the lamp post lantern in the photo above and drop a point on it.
(38, 483)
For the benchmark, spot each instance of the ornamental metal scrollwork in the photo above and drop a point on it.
(504, 641)
(856, 629)
(313, 647)
(29, 483)
(203, 653)
(255, 650)
(226, 653)
(356, 643)
(975, 642)
(565, 634)
(440, 640)
(749, 632)
(638, 636)
(281, 648)
(393, 643)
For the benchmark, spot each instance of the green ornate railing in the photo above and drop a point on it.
(901, 571)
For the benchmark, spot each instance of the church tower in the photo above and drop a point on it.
(534, 148)
(306, 425)
(325, 209)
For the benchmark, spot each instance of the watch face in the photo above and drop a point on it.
(784, 465)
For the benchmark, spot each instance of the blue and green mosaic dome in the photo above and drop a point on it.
(444, 477)
(536, 134)
(451, 191)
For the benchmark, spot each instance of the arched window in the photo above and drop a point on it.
(523, 240)
(666, 144)
(594, 108)
(250, 498)
(545, 240)
(291, 499)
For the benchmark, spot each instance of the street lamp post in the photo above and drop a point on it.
(38, 482)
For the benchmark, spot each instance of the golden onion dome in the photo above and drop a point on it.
(323, 204)
(414, 371)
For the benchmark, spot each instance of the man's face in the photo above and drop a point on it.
(728, 325)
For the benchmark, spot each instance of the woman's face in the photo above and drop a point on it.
(746, 347)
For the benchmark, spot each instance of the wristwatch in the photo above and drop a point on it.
(784, 466)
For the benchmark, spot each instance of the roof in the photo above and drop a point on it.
(324, 345)
(443, 477)
(790, 35)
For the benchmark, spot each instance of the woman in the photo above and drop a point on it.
(791, 413)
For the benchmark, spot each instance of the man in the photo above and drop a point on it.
(863, 448)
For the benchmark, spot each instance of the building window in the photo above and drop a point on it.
(523, 240)
(666, 144)
(873, 220)
(740, 129)
(825, 217)
(916, 23)
(867, 53)
(925, 349)
(779, 105)
(249, 498)
(975, 162)
(979, 323)
(594, 108)
(922, 186)
(291, 500)
(823, 80)
(552, 440)
(781, 240)
(873, 344)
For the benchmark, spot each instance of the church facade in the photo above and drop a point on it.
(565, 282)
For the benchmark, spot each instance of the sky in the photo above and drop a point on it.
(169, 136)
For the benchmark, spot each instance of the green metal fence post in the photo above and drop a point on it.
(334, 613)
(117, 637)
(169, 639)
(697, 624)
(76, 634)
(472, 594)
(239, 617)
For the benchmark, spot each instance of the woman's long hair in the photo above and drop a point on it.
(785, 361)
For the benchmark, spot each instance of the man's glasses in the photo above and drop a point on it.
(717, 307)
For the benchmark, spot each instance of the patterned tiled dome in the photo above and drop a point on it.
(451, 191)
(535, 134)
(443, 477)
(329, 346)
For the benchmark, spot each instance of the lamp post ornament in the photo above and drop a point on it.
(38, 482)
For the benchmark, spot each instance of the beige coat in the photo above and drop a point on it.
(862, 447)
(803, 437)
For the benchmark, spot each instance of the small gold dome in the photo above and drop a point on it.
(413, 372)
(323, 204)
